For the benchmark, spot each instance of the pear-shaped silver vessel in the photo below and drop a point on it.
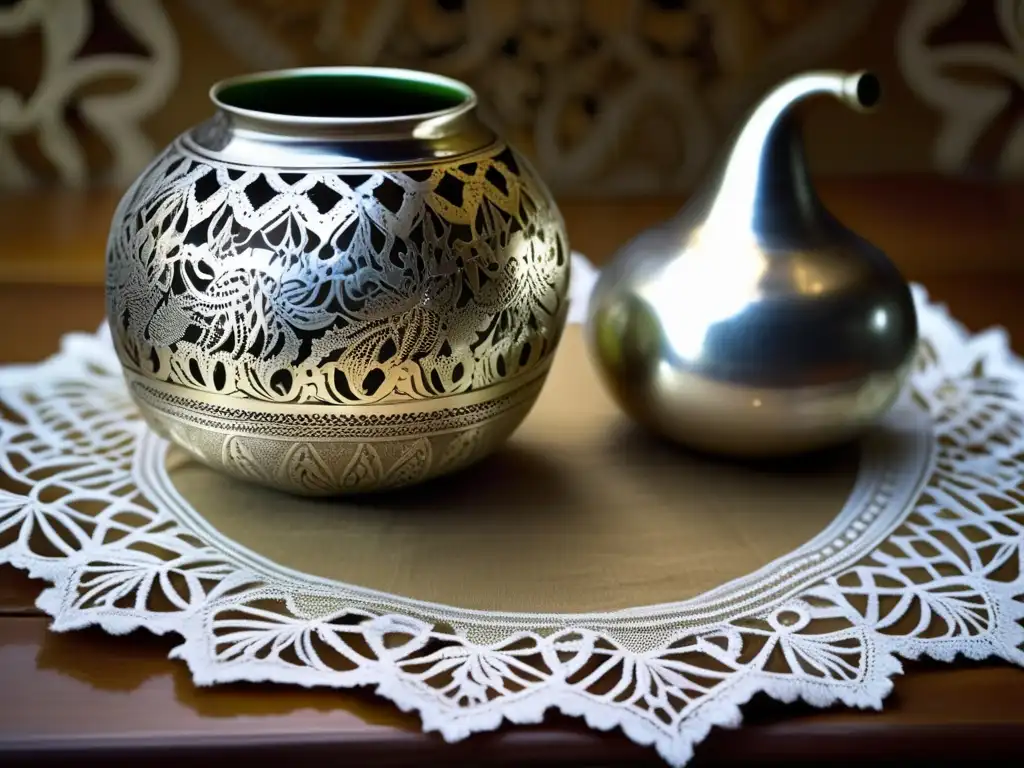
(754, 323)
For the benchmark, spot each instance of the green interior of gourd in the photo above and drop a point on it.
(341, 95)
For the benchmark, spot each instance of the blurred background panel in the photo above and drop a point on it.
(611, 98)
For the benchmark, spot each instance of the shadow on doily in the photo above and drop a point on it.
(628, 439)
(584, 521)
(512, 478)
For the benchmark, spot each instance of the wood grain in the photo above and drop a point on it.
(928, 225)
(119, 700)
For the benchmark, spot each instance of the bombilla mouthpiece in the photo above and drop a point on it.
(862, 91)
(765, 172)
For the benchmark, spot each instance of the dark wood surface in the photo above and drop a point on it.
(92, 697)
(928, 225)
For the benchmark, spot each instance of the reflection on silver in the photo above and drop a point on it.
(754, 323)
(334, 305)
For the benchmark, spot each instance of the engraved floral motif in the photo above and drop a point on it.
(364, 470)
(336, 449)
(349, 287)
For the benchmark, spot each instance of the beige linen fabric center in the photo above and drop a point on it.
(579, 513)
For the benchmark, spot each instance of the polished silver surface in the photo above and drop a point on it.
(754, 323)
(342, 284)
(239, 135)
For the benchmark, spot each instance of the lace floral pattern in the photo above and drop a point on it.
(964, 60)
(114, 91)
(86, 504)
(608, 97)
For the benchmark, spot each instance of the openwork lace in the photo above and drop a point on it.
(925, 560)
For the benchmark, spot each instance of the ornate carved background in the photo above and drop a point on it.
(610, 97)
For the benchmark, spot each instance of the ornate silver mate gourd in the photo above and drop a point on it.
(754, 323)
(342, 282)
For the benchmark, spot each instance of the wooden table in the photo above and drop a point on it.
(107, 700)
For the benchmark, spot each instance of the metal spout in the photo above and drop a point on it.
(764, 185)
(755, 323)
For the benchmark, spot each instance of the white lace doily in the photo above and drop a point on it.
(924, 560)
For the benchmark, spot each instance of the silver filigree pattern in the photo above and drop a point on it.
(354, 287)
